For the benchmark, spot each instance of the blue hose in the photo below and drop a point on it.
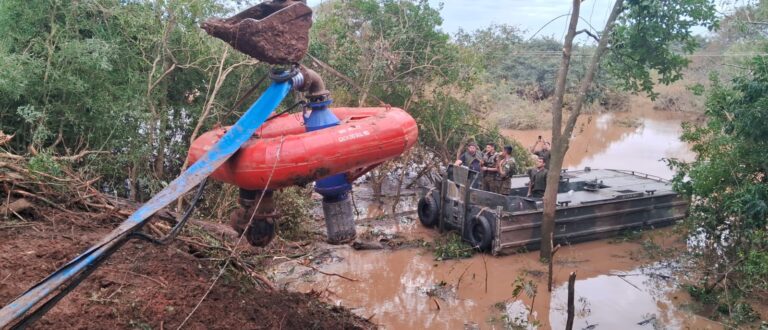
(86, 262)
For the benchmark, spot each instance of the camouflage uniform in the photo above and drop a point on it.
(489, 177)
(507, 168)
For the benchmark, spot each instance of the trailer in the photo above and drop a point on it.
(591, 204)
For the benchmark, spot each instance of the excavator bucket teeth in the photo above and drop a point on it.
(276, 32)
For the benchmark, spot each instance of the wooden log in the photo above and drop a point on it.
(18, 205)
(361, 245)
(571, 284)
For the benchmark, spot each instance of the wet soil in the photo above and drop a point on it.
(273, 32)
(146, 286)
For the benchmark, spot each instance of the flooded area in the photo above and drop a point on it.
(634, 140)
(408, 289)
(622, 283)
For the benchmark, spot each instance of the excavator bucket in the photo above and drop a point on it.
(276, 32)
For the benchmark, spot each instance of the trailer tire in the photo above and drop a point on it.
(480, 233)
(428, 211)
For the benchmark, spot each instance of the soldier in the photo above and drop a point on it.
(471, 158)
(489, 168)
(545, 154)
(507, 167)
(538, 177)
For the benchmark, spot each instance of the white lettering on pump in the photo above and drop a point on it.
(355, 135)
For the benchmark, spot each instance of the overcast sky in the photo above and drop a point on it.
(528, 15)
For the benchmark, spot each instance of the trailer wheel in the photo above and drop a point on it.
(428, 211)
(480, 233)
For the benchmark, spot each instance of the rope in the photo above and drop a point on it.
(234, 250)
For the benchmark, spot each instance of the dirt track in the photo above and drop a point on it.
(144, 286)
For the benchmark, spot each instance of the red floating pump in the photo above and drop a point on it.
(365, 138)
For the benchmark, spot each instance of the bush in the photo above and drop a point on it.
(728, 184)
(295, 206)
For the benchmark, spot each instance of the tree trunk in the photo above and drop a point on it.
(561, 139)
(556, 160)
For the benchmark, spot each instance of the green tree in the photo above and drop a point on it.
(127, 79)
(729, 187)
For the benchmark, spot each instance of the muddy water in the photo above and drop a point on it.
(635, 140)
(408, 289)
(617, 287)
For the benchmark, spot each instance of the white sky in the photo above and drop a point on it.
(530, 15)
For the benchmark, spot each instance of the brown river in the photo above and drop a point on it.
(620, 284)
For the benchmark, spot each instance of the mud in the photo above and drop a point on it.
(145, 286)
(275, 32)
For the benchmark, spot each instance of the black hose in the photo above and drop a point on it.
(180, 222)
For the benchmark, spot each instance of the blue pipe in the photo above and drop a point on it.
(224, 148)
(335, 187)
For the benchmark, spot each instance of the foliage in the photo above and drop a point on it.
(390, 49)
(44, 163)
(653, 36)
(109, 76)
(295, 206)
(728, 184)
(451, 246)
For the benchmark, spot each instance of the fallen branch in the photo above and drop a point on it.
(11, 156)
(486, 273)
(331, 274)
(163, 284)
(19, 225)
(462, 275)
(80, 155)
(18, 205)
(43, 199)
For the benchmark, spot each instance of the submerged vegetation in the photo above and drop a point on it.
(451, 246)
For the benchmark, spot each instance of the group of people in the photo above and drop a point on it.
(497, 168)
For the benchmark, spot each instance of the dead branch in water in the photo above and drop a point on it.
(551, 260)
(330, 274)
(571, 308)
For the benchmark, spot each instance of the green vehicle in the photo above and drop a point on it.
(592, 204)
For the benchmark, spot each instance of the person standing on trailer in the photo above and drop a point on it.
(471, 159)
(489, 168)
(506, 167)
(538, 177)
(544, 152)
